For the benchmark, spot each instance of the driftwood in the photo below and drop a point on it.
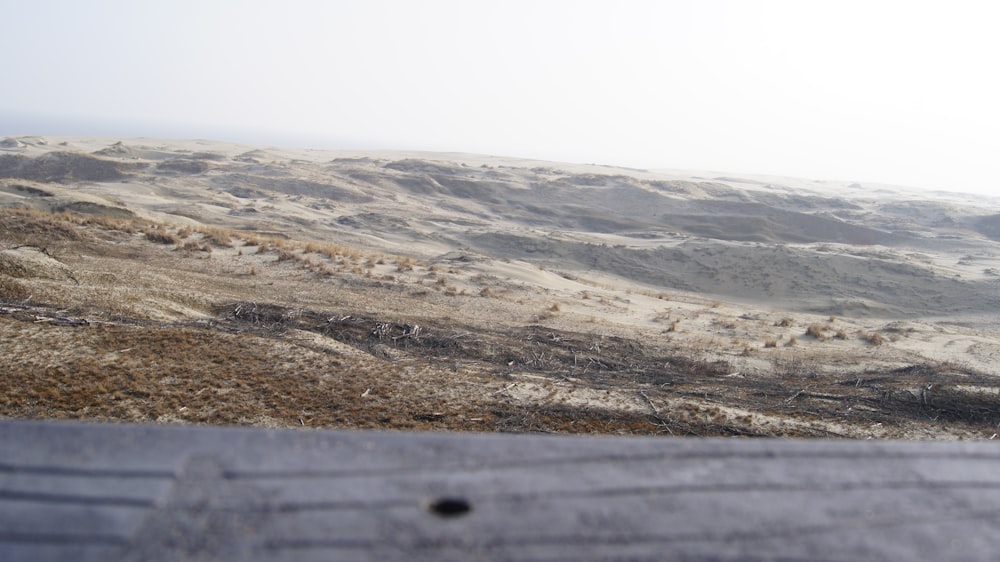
(383, 330)
(62, 320)
(40, 315)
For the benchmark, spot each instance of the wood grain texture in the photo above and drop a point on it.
(71, 491)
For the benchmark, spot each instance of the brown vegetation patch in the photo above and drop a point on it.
(328, 338)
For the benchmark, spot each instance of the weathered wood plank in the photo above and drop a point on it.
(75, 491)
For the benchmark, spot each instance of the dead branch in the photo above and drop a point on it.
(381, 330)
(505, 389)
(62, 320)
(796, 395)
(656, 411)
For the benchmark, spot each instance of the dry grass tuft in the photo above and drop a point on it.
(12, 289)
(874, 338)
(404, 263)
(220, 237)
(816, 331)
(161, 237)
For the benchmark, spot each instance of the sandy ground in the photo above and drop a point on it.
(550, 296)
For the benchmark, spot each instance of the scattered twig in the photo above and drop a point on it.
(506, 388)
(796, 395)
(408, 332)
(652, 406)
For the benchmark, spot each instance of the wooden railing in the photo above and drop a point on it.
(77, 491)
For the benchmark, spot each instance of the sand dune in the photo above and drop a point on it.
(730, 237)
(759, 274)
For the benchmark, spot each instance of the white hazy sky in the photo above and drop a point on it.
(901, 92)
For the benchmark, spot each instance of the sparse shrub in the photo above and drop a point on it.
(486, 292)
(784, 322)
(789, 365)
(770, 342)
(12, 289)
(792, 342)
(841, 334)
(816, 331)
(331, 251)
(161, 237)
(218, 236)
(663, 316)
(285, 255)
(109, 223)
(727, 323)
(716, 304)
(874, 338)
